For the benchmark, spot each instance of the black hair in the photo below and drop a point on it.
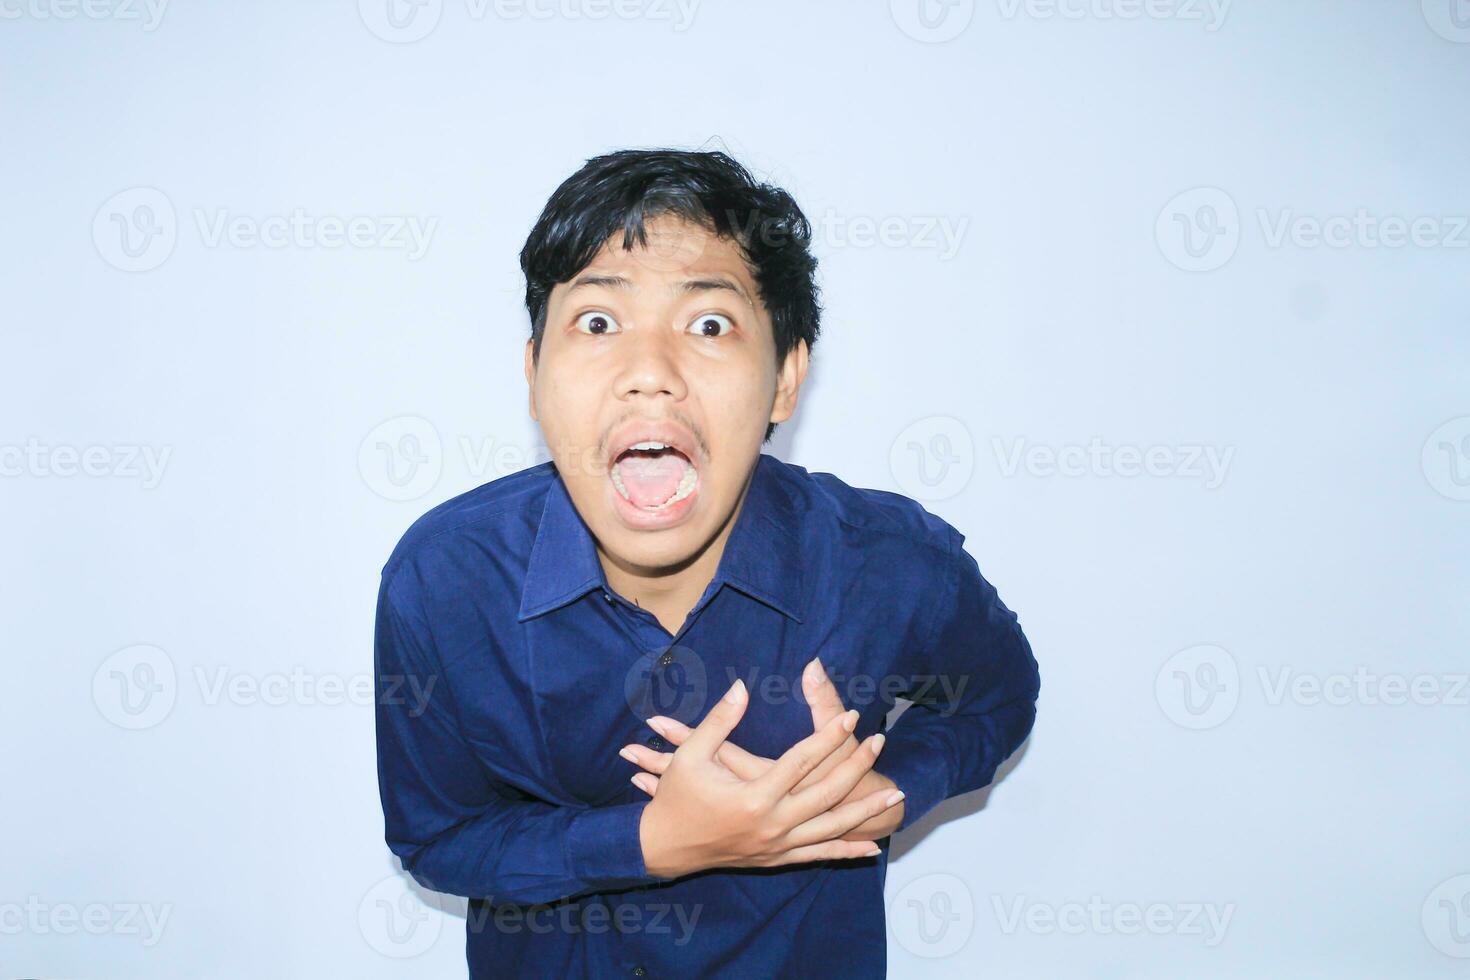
(620, 191)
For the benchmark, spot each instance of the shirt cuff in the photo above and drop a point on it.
(604, 846)
(914, 769)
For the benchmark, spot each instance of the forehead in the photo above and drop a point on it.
(678, 254)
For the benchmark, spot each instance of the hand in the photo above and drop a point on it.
(705, 816)
(825, 704)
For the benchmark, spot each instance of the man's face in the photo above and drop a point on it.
(656, 379)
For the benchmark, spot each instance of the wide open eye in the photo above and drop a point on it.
(710, 325)
(597, 323)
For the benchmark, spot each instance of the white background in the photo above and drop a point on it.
(1221, 649)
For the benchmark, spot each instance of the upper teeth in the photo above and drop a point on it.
(649, 444)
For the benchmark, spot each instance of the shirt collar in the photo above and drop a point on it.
(761, 555)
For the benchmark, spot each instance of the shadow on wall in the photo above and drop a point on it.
(954, 808)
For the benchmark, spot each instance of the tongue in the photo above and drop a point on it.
(650, 480)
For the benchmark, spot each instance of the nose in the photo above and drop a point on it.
(650, 366)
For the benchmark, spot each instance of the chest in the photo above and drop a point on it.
(586, 676)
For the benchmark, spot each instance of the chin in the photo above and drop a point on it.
(652, 550)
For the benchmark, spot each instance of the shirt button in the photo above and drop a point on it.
(666, 659)
(638, 971)
(607, 596)
(657, 743)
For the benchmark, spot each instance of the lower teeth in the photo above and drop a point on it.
(684, 489)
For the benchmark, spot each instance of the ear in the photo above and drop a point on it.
(788, 382)
(531, 377)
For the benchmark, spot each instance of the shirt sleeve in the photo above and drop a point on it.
(973, 696)
(455, 828)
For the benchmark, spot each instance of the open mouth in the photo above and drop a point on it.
(654, 476)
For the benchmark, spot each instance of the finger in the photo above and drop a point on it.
(821, 695)
(645, 782)
(833, 788)
(848, 746)
(718, 723)
(742, 763)
(836, 850)
(639, 755)
(746, 765)
(805, 756)
(843, 819)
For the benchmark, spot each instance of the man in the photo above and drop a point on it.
(634, 759)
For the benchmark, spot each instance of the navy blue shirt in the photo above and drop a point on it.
(504, 785)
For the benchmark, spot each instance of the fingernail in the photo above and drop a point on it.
(894, 797)
(850, 719)
(878, 741)
(635, 780)
(813, 668)
(736, 694)
(874, 852)
(627, 753)
(657, 724)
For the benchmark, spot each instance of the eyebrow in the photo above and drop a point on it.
(700, 284)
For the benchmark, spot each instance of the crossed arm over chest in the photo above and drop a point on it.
(712, 803)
